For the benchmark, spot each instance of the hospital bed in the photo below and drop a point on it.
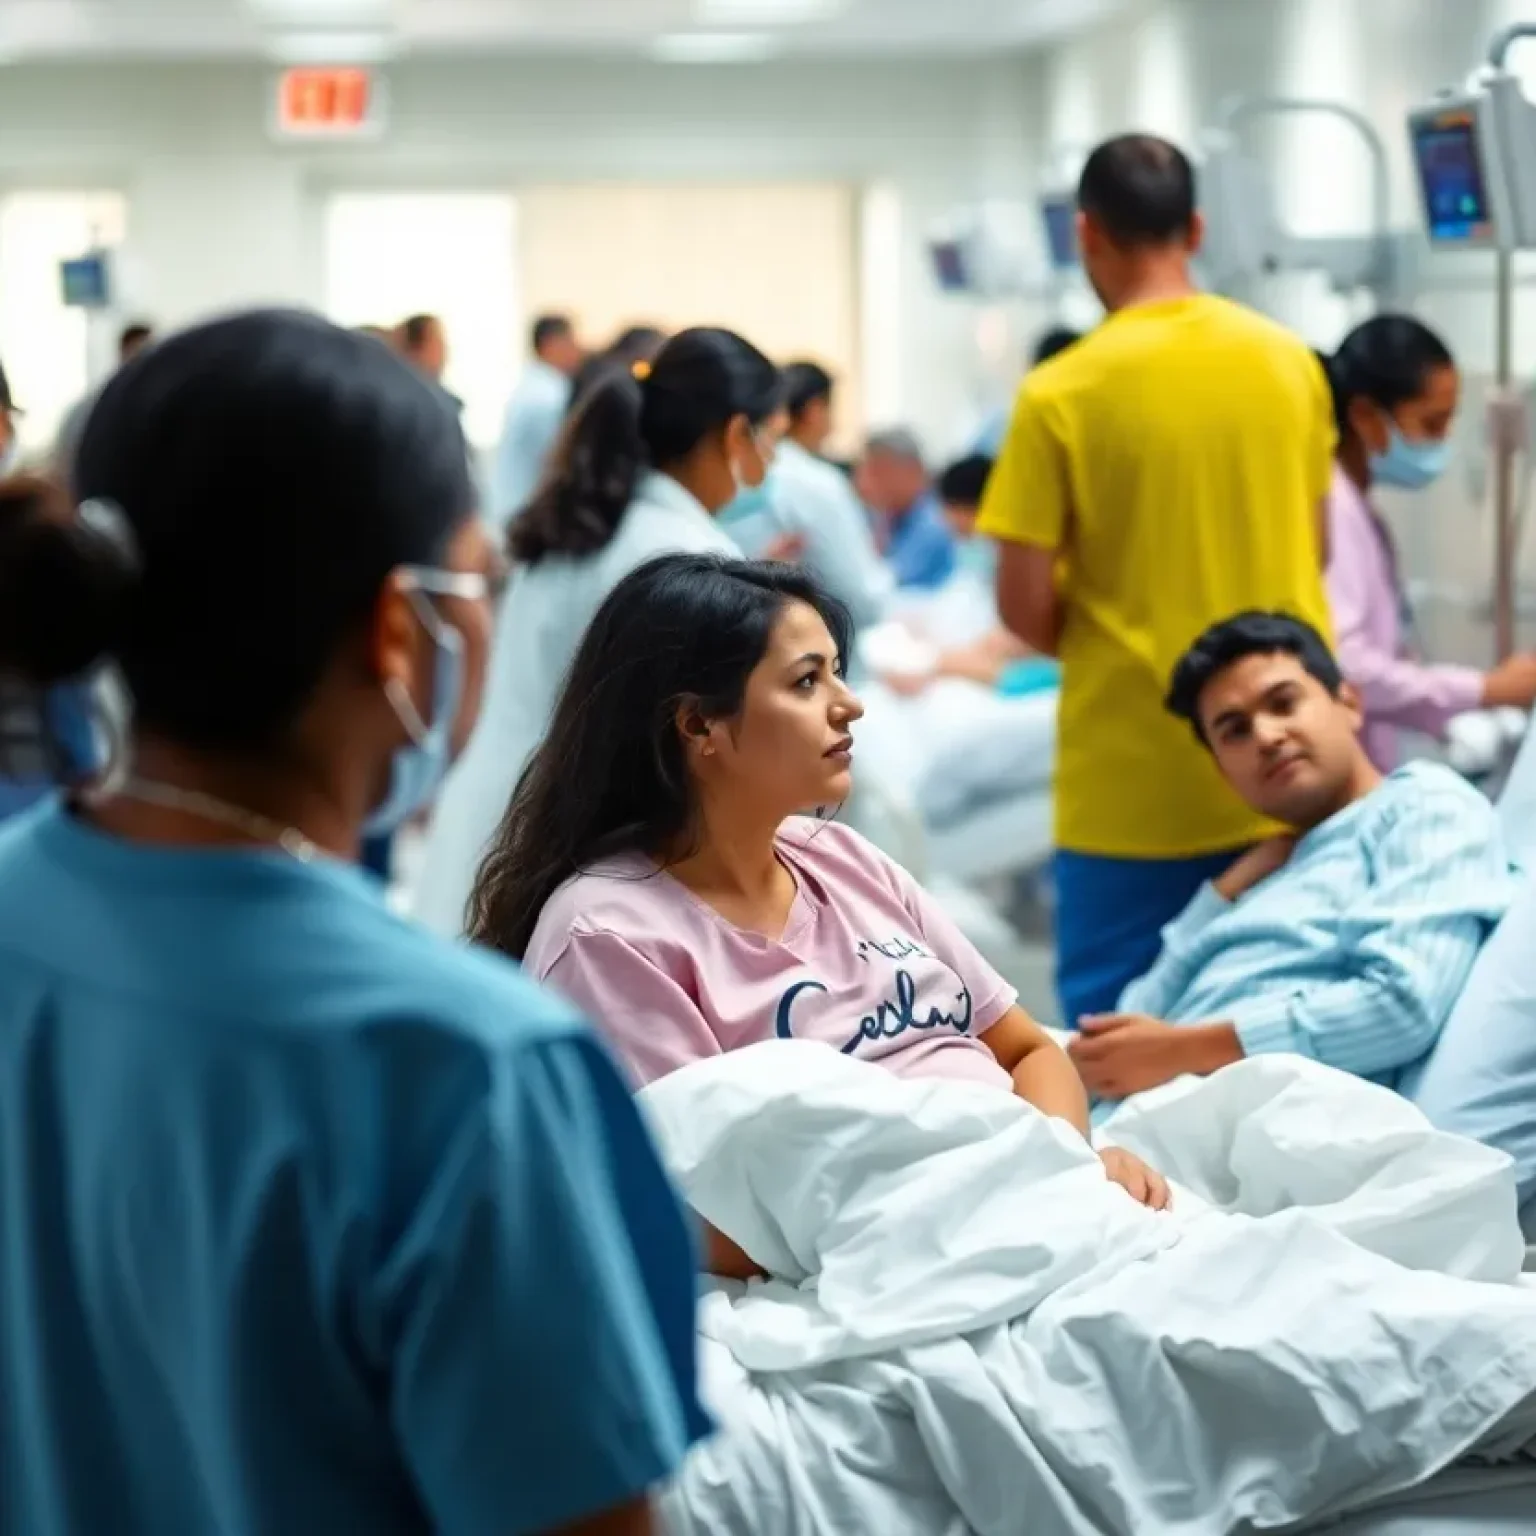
(886, 1397)
(955, 783)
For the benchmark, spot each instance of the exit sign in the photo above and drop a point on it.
(329, 103)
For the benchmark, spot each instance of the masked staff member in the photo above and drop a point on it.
(311, 1222)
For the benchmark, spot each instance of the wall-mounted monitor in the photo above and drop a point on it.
(1449, 153)
(951, 265)
(1058, 216)
(85, 282)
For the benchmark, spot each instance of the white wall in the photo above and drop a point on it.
(1168, 70)
(220, 215)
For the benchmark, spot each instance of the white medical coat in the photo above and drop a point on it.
(541, 623)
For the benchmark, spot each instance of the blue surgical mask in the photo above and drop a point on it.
(70, 715)
(749, 501)
(1409, 466)
(418, 768)
(978, 557)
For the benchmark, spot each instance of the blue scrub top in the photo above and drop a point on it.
(308, 1221)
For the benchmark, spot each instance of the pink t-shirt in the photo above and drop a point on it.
(868, 963)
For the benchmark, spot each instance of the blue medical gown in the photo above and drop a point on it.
(309, 1222)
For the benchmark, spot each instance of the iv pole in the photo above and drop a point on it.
(1235, 111)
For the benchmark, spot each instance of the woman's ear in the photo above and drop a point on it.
(1369, 423)
(695, 729)
(737, 438)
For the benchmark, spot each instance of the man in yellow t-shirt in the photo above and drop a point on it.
(1167, 472)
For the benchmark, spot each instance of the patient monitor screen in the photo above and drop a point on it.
(1060, 217)
(950, 266)
(1450, 163)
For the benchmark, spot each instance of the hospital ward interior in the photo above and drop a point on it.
(767, 767)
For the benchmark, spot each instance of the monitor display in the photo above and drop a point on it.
(1060, 217)
(84, 282)
(950, 266)
(1450, 165)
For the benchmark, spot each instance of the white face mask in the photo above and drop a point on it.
(765, 458)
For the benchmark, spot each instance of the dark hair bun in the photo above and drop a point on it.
(66, 583)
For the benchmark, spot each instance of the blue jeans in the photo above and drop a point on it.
(1110, 916)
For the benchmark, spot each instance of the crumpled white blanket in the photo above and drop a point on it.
(975, 1332)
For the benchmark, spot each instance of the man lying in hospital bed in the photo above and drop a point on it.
(1348, 938)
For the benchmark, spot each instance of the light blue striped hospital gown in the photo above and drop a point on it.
(1354, 953)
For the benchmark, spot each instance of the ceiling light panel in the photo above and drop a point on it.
(765, 13)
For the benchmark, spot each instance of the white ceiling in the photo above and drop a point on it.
(343, 29)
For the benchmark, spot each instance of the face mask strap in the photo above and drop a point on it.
(442, 635)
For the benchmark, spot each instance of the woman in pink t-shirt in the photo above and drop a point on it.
(653, 866)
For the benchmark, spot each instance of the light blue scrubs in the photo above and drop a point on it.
(310, 1223)
(535, 414)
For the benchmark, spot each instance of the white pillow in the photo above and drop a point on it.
(1480, 1079)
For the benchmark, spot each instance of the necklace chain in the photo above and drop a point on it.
(210, 808)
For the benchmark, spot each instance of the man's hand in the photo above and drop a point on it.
(1511, 684)
(1259, 863)
(1119, 1054)
(1140, 1182)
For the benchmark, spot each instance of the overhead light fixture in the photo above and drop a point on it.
(356, 47)
(765, 12)
(716, 47)
(321, 13)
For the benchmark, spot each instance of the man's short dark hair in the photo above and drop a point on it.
(134, 336)
(1140, 190)
(1053, 343)
(805, 384)
(964, 483)
(1235, 639)
(416, 331)
(548, 328)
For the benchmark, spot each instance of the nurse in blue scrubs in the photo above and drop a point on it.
(308, 1221)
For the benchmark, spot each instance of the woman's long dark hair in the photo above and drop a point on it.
(1388, 360)
(622, 425)
(611, 776)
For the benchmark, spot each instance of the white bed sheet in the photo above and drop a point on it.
(975, 1334)
(1461, 1502)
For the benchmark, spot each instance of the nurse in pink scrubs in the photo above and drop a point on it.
(1396, 389)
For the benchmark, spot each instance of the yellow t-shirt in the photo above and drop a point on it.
(1177, 458)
